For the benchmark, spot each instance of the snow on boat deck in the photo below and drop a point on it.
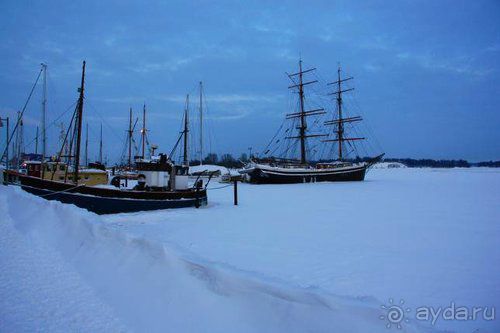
(317, 257)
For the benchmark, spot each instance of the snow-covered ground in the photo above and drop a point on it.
(388, 165)
(318, 257)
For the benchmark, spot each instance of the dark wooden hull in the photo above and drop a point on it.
(109, 201)
(265, 176)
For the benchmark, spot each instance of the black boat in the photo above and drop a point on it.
(161, 183)
(109, 200)
(278, 172)
(283, 170)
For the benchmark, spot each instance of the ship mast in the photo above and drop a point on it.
(186, 131)
(36, 141)
(143, 131)
(79, 125)
(130, 132)
(201, 123)
(44, 113)
(340, 121)
(100, 147)
(340, 128)
(303, 125)
(303, 114)
(19, 145)
(87, 144)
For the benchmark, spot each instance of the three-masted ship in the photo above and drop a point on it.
(162, 184)
(283, 170)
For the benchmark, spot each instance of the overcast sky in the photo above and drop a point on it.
(426, 72)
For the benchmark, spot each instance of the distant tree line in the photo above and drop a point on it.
(427, 162)
(228, 161)
(417, 163)
(491, 164)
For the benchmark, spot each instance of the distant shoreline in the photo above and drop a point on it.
(228, 161)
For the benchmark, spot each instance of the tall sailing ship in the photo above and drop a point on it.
(282, 170)
(161, 183)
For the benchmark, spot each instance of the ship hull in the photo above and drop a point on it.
(267, 174)
(270, 175)
(109, 201)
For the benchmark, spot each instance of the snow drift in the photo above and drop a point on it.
(63, 269)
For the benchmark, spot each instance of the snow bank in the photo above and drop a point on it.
(389, 165)
(208, 167)
(64, 270)
(428, 236)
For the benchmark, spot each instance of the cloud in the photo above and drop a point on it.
(171, 65)
(273, 30)
(227, 98)
(285, 54)
(380, 43)
(492, 48)
(122, 100)
(372, 68)
(458, 65)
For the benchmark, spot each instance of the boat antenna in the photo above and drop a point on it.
(79, 124)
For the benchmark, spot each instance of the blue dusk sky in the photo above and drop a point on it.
(426, 73)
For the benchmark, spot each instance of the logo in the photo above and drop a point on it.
(394, 314)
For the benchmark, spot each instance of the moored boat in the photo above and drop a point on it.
(151, 195)
(261, 172)
(285, 170)
(161, 184)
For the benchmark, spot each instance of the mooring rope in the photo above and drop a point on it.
(220, 187)
(66, 190)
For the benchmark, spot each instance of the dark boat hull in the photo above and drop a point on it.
(109, 205)
(264, 176)
(109, 201)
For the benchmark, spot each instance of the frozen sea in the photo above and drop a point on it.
(323, 257)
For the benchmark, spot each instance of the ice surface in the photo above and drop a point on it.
(308, 257)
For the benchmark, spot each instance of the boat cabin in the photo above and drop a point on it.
(60, 172)
(161, 173)
(33, 168)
